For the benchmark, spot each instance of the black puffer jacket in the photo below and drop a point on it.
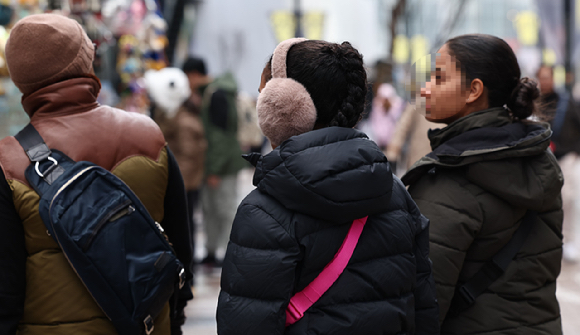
(309, 190)
(485, 172)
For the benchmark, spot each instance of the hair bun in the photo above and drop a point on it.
(522, 98)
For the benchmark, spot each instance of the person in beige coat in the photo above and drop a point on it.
(185, 136)
(411, 130)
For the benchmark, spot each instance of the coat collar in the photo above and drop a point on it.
(485, 135)
(63, 98)
(493, 117)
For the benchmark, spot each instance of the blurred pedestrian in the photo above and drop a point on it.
(409, 142)
(565, 123)
(223, 156)
(250, 136)
(321, 176)
(564, 115)
(491, 190)
(177, 112)
(386, 111)
(50, 60)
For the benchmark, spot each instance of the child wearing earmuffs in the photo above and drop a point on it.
(329, 242)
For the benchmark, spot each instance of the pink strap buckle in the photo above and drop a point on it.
(293, 314)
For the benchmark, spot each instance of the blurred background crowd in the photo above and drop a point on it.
(229, 42)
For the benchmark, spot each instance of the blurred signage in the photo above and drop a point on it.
(559, 76)
(312, 24)
(527, 24)
(577, 8)
(419, 47)
(405, 49)
(401, 49)
(284, 25)
(549, 57)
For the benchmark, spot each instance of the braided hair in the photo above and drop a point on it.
(334, 76)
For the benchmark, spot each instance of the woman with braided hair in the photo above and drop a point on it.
(324, 196)
(491, 189)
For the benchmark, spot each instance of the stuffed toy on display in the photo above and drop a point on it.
(168, 88)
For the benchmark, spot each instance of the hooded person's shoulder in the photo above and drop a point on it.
(131, 128)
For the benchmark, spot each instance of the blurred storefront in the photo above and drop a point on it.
(239, 36)
(132, 36)
(535, 29)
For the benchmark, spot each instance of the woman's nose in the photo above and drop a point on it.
(426, 91)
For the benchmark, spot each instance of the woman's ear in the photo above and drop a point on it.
(476, 90)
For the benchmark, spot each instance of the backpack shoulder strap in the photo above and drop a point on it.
(302, 300)
(33, 144)
(466, 294)
(37, 152)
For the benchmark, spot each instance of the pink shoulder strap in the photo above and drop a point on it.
(302, 300)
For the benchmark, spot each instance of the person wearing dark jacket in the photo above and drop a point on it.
(565, 123)
(489, 169)
(50, 60)
(565, 120)
(322, 175)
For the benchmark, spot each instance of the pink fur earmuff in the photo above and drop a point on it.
(284, 107)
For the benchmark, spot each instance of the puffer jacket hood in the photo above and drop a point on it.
(334, 174)
(489, 135)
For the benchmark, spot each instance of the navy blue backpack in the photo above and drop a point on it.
(118, 251)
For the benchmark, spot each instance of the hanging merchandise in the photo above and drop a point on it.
(128, 58)
(141, 40)
(3, 38)
(155, 42)
(32, 4)
(130, 69)
(5, 12)
(85, 6)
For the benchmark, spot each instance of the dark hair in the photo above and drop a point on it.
(334, 76)
(492, 60)
(194, 64)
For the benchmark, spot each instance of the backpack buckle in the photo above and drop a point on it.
(148, 322)
(54, 163)
(468, 298)
(181, 278)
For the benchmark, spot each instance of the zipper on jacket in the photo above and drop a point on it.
(116, 213)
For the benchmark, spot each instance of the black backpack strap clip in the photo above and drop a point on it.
(466, 294)
(38, 152)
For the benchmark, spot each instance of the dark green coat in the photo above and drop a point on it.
(485, 172)
(223, 155)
